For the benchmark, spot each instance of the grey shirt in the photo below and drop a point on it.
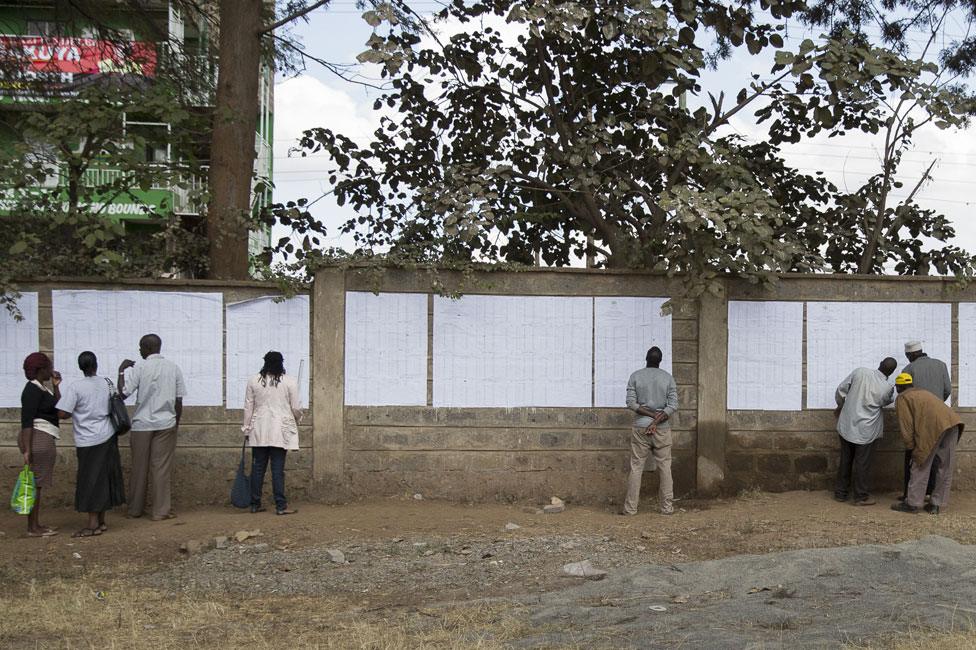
(861, 396)
(932, 375)
(652, 388)
(158, 383)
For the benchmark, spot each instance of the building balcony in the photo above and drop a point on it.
(177, 192)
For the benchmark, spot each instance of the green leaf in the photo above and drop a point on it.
(372, 18)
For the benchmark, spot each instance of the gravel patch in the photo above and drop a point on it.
(404, 570)
(808, 598)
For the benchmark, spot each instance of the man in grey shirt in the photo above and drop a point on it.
(931, 375)
(860, 398)
(158, 384)
(653, 397)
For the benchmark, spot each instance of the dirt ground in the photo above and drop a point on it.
(416, 573)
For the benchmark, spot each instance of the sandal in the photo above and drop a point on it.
(102, 527)
(88, 532)
(285, 511)
(46, 533)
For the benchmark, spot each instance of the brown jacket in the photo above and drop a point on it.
(923, 418)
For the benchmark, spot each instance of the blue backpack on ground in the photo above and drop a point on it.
(240, 493)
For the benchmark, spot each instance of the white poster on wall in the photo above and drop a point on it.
(507, 351)
(765, 355)
(17, 340)
(967, 354)
(842, 336)
(110, 324)
(255, 327)
(624, 329)
(386, 349)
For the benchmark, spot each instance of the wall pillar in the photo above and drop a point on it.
(713, 351)
(328, 339)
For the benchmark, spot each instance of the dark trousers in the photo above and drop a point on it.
(259, 464)
(856, 458)
(908, 473)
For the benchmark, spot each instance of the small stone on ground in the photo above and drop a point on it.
(584, 569)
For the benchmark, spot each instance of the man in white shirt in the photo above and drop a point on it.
(860, 398)
(159, 388)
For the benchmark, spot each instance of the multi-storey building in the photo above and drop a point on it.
(62, 47)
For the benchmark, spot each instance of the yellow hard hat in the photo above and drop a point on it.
(904, 379)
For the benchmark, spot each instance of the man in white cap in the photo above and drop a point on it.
(931, 375)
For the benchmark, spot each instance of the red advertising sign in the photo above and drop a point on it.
(61, 65)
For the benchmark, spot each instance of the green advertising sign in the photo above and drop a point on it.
(134, 205)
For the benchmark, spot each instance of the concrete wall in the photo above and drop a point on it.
(490, 453)
(523, 453)
(581, 453)
(209, 439)
(799, 449)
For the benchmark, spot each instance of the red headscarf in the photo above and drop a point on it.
(35, 361)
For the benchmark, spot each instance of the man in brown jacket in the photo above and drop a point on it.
(930, 429)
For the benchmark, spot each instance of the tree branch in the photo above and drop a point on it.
(334, 68)
(294, 16)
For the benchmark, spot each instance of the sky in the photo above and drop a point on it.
(318, 98)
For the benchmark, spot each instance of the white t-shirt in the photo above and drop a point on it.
(87, 402)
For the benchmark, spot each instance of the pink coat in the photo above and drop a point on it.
(272, 413)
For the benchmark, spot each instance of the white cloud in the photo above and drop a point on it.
(303, 103)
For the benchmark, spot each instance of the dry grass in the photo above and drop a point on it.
(73, 614)
(99, 612)
(918, 639)
(754, 493)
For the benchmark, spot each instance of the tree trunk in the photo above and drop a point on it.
(232, 149)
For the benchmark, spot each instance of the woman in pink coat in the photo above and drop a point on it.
(271, 414)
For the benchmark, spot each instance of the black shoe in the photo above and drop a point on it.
(932, 510)
(904, 507)
(839, 498)
(903, 497)
(257, 509)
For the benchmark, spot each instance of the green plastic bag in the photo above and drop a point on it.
(22, 500)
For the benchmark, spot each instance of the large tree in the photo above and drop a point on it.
(937, 31)
(253, 34)
(900, 24)
(559, 129)
(232, 149)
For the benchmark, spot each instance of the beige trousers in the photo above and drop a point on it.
(659, 445)
(152, 458)
(945, 451)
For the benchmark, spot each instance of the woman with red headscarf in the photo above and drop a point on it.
(39, 430)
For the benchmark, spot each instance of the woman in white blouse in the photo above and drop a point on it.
(272, 411)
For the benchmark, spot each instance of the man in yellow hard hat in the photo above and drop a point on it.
(931, 430)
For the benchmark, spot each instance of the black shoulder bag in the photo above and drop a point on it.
(117, 412)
